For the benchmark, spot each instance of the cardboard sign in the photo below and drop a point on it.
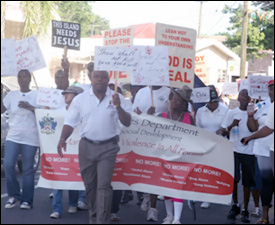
(201, 69)
(28, 55)
(258, 86)
(230, 88)
(117, 58)
(66, 34)
(8, 59)
(119, 37)
(153, 67)
(49, 97)
(182, 47)
(200, 95)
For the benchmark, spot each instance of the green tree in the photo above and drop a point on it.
(259, 34)
(81, 12)
(38, 15)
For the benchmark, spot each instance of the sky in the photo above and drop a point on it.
(178, 13)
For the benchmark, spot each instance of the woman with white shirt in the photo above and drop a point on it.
(22, 138)
(210, 118)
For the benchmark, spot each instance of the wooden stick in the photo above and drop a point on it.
(34, 80)
(116, 79)
(65, 53)
(152, 96)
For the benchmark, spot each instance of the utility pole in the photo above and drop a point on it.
(199, 30)
(244, 41)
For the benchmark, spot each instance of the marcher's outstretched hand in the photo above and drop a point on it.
(25, 105)
(62, 145)
(116, 100)
(151, 110)
(65, 64)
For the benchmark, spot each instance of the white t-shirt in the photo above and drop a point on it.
(99, 119)
(211, 121)
(270, 122)
(22, 122)
(262, 145)
(243, 130)
(160, 96)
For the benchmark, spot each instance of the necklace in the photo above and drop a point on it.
(179, 118)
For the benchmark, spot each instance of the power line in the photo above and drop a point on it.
(221, 18)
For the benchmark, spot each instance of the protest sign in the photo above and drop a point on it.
(119, 37)
(230, 88)
(157, 155)
(117, 58)
(244, 84)
(182, 47)
(8, 59)
(49, 97)
(201, 69)
(258, 86)
(200, 95)
(153, 66)
(66, 34)
(28, 55)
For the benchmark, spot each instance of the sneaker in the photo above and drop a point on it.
(82, 205)
(168, 219)
(176, 222)
(205, 205)
(235, 210)
(51, 195)
(152, 215)
(55, 215)
(245, 216)
(256, 212)
(72, 209)
(145, 204)
(10, 203)
(114, 217)
(25, 205)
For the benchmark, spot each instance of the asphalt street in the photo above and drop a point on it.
(129, 213)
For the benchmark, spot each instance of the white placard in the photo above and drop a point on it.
(182, 48)
(49, 97)
(153, 67)
(119, 37)
(258, 86)
(117, 58)
(8, 60)
(230, 88)
(200, 95)
(28, 54)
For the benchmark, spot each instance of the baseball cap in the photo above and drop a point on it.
(214, 96)
(73, 89)
(270, 82)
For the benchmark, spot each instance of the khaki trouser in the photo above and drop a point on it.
(97, 164)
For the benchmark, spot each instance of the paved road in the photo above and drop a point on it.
(129, 213)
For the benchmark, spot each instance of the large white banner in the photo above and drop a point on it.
(157, 155)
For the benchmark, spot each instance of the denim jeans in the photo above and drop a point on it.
(82, 196)
(12, 150)
(57, 200)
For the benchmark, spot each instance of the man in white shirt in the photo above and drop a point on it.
(100, 112)
(236, 123)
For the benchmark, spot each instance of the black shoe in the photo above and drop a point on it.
(235, 210)
(126, 198)
(245, 216)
